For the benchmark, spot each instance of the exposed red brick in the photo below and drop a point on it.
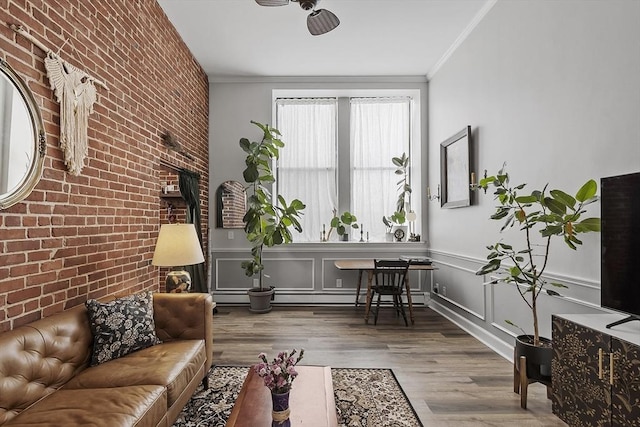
(55, 287)
(52, 309)
(12, 221)
(14, 310)
(12, 234)
(31, 305)
(39, 255)
(12, 259)
(92, 235)
(23, 245)
(24, 294)
(46, 300)
(20, 270)
(27, 318)
(34, 233)
(38, 279)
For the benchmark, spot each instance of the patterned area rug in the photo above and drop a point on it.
(364, 398)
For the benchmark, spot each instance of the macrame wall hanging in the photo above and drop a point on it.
(76, 93)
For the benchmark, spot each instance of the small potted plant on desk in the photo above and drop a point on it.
(396, 230)
(540, 217)
(266, 223)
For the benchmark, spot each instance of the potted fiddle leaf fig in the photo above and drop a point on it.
(542, 217)
(267, 222)
(396, 221)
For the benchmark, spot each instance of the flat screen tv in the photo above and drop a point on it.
(620, 251)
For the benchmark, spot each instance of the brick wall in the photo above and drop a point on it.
(88, 236)
(234, 204)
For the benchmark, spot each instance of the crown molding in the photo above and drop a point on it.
(462, 37)
(317, 79)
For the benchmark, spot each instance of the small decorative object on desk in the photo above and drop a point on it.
(278, 376)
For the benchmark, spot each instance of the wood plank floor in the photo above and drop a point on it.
(451, 378)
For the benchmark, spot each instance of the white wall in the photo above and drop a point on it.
(553, 89)
(233, 104)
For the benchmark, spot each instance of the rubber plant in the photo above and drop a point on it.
(541, 217)
(404, 191)
(267, 223)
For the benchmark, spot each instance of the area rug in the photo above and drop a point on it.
(364, 398)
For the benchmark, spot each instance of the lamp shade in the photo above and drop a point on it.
(321, 21)
(177, 245)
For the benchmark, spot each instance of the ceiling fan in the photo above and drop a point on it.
(319, 21)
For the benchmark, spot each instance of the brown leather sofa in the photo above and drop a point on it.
(45, 378)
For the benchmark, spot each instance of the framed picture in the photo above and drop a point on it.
(455, 160)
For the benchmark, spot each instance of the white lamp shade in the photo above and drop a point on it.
(177, 245)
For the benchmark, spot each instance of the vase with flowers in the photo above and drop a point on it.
(278, 376)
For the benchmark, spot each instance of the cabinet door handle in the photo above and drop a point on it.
(600, 370)
(611, 357)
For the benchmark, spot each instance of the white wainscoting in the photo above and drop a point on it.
(481, 309)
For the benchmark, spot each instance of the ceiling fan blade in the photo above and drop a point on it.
(272, 2)
(321, 21)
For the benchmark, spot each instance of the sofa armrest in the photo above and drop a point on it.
(185, 316)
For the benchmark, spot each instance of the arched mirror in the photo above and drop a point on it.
(22, 141)
(231, 200)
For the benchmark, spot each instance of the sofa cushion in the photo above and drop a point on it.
(139, 406)
(121, 326)
(39, 358)
(171, 364)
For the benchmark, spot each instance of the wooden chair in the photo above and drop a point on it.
(389, 279)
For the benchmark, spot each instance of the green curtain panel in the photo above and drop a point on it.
(190, 190)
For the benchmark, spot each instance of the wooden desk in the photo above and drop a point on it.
(368, 266)
(311, 401)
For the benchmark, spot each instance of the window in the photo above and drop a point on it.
(338, 155)
(380, 130)
(306, 169)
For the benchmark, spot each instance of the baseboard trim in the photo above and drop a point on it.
(494, 343)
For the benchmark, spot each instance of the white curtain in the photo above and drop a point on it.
(306, 169)
(380, 130)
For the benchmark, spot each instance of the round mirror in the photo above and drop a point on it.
(22, 141)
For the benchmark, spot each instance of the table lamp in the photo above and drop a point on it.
(178, 245)
(411, 217)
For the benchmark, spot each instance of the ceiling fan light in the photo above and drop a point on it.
(272, 2)
(321, 21)
(307, 4)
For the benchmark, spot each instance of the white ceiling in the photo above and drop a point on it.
(232, 38)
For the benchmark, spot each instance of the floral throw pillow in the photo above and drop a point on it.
(121, 326)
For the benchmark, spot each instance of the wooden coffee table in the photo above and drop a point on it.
(311, 400)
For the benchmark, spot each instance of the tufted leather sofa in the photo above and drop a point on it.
(45, 378)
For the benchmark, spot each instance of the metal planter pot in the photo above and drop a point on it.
(260, 300)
